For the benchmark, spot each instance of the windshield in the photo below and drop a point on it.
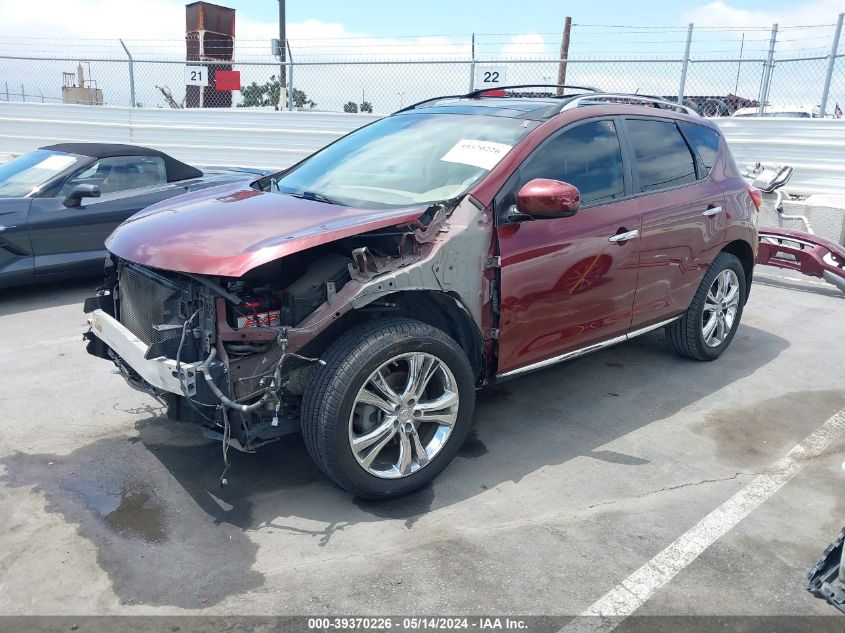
(405, 160)
(25, 175)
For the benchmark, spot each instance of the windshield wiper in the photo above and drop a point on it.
(311, 195)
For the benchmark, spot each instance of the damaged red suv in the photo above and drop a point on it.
(363, 295)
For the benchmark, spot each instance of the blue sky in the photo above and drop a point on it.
(487, 16)
(326, 19)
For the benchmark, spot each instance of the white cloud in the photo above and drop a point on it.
(154, 29)
(724, 14)
(527, 46)
(61, 19)
(157, 27)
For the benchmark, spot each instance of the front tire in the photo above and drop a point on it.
(390, 408)
(709, 324)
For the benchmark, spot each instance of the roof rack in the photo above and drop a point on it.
(572, 101)
(592, 99)
(424, 101)
(480, 93)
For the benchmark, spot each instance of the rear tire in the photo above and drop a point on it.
(370, 427)
(708, 326)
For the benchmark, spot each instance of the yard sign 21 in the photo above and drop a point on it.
(196, 76)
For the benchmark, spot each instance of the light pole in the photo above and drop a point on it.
(282, 46)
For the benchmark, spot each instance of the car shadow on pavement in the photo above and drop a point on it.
(168, 534)
(47, 295)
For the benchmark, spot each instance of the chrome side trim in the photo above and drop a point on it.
(568, 356)
(653, 326)
(586, 350)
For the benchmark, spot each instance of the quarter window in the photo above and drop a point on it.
(663, 157)
(705, 142)
(587, 156)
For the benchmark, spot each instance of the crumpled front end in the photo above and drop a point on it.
(236, 354)
(162, 329)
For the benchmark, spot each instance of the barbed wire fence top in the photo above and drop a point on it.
(725, 68)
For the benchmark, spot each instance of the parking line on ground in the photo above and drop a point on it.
(624, 599)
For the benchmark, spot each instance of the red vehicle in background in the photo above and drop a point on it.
(364, 294)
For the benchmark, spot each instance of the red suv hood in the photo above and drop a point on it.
(231, 229)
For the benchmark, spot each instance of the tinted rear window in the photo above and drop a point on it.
(663, 158)
(705, 141)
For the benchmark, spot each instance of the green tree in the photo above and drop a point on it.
(350, 106)
(366, 106)
(257, 95)
(300, 100)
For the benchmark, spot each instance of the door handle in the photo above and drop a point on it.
(712, 211)
(623, 237)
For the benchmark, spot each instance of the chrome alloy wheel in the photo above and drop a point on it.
(720, 307)
(403, 415)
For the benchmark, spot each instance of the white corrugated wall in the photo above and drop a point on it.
(269, 139)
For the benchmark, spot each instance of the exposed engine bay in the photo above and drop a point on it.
(242, 350)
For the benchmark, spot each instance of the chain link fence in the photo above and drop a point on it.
(714, 70)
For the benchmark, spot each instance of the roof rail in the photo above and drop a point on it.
(579, 100)
(429, 100)
(480, 93)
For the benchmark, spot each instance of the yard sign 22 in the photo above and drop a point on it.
(490, 76)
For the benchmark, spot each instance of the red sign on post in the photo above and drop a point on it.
(227, 80)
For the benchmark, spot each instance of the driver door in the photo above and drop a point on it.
(72, 238)
(15, 250)
(568, 284)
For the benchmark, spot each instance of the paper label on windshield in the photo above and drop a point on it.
(55, 162)
(484, 154)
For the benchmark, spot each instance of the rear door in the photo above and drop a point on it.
(568, 283)
(683, 218)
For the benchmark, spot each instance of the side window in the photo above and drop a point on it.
(663, 158)
(587, 156)
(119, 174)
(705, 142)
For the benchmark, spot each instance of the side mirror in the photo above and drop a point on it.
(545, 198)
(81, 191)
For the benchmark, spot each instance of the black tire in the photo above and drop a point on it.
(686, 334)
(328, 402)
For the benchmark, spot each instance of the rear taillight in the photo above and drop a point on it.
(756, 197)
